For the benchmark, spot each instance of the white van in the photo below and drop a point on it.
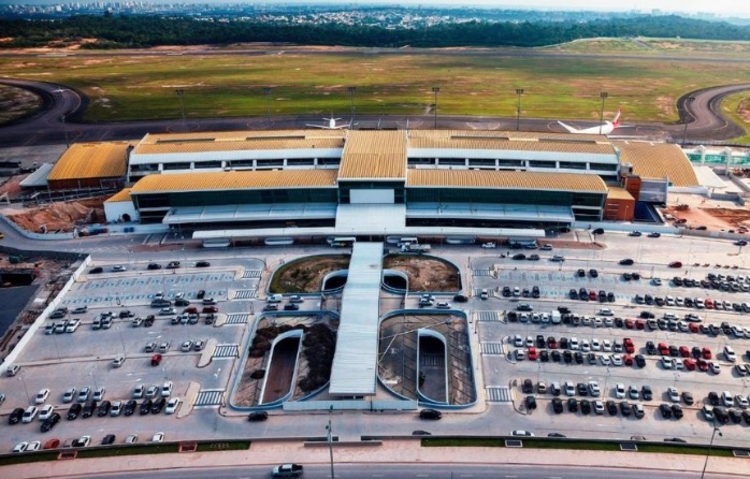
(275, 298)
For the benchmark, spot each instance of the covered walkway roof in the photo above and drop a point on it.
(354, 370)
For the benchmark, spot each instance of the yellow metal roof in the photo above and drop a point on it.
(239, 140)
(374, 155)
(91, 160)
(526, 180)
(122, 196)
(618, 193)
(510, 140)
(235, 180)
(658, 160)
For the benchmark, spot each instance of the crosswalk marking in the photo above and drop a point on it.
(488, 316)
(492, 348)
(238, 318)
(498, 394)
(226, 351)
(251, 273)
(245, 294)
(481, 272)
(209, 397)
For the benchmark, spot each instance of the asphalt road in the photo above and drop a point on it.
(54, 123)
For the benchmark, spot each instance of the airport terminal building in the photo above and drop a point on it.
(377, 182)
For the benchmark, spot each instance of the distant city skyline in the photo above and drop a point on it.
(722, 7)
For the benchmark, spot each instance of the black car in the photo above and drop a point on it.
(544, 356)
(535, 293)
(636, 276)
(153, 266)
(540, 341)
(202, 264)
(88, 409)
(593, 273)
(145, 407)
(585, 406)
(611, 408)
(50, 422)
(74, 411)
(572, 405)
(173, 265)
(556, 356)
(129, 408)
(713, 398)
(675, 439)
(646, 393)
(735, 415)
(201, 294)
(640, 361)
(677, 411)
(568, 356)
(659, 301)
(627, 276)
(291, 307)
(583, 294)
(158, 405)
(506, 292)
(557, 405)
(578, 357)
(647, 315)
(610, 297)
(15, 416)
(181, 302)
(97, 270)
(619, 322)
(674, 351)
(582, 389)
(650, 347)
(460, 298)
(721, 414)
(591, 357)
(598, 231)
(519, 256)
(258, 416)
(104, 408)
(528, 386)
(666, 411)
(581, 273)
(432, 414)
(627, 262)
(108, 439)
(530, 403)
(648, 299)
(626, 408)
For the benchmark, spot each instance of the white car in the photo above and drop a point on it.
(34, 446)
(594, 389)
(596, 345)
(585, 346)
(82, 441)
(605, 359)
(727, 399)
(115, 409)
(518, 341)
(152, 391)
(119, 268)
(714, 368)
(99, 393)
(489, 245)
(172, 406)
(69, 394)
(620, 391)
(741, 401)
(29, 414)
(570, 388)
(667, 362)
(573, 344)
(606, 345)
(138, 391)
(21, 447)
(158, 437)
(729, 354)
(41, 396)
(520, 432)
(166, 389)
(598, 407)
(83, 394)
(187, 345)
(46, 411)
(674, 394)
(616, 360)
(131, 439)
(606, 312)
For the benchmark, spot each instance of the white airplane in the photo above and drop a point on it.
(331, 124)
(605, 129)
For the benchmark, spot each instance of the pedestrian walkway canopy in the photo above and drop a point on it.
(354, 371)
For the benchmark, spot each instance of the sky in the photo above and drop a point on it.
(722, 7)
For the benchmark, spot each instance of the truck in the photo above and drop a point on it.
(415, 248)
(287, 470)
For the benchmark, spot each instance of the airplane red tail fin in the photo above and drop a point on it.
(616, 120)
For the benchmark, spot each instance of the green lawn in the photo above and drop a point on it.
(143, 87)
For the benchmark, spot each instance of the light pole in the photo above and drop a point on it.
(603, 95)
(710, 446)
(181, 95)
(519, 92)
(351, 90)
(59, 97)
(435, 91)
(329, 427)
(267, 94)
(686, 105)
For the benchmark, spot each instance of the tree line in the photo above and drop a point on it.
(141, 32)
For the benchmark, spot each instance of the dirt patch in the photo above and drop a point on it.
(732, 217)
(713, 218)
(425, 273)
(63, 216)
(306, 275)
(16, 103)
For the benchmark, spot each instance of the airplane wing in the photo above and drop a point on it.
(569, 128)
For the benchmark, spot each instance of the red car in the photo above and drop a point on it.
(210, 309)
(640, 324)
(689, 364)
(709, 303)
(663, 349)
(706, 353)
(702, 364)
(629, 323)
(684, 351)
(694, 328)
(592, 295)
(628, 360)
(675, 264)
(551, 343)
(155, 359)
(532, 353)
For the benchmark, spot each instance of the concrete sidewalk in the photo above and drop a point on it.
(396, 451)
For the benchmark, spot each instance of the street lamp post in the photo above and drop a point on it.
(710, 446)
(59, 97)
(351, 90)
(435, 91)
(603, 95)
(181, 95)
(688, 101)
(519, 92)
(267, 94)
(329, 427)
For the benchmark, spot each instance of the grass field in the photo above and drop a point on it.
(142, 87)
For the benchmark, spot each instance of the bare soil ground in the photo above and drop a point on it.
(62, 216)
(425, 273)
(306, 274)
(706, 212)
